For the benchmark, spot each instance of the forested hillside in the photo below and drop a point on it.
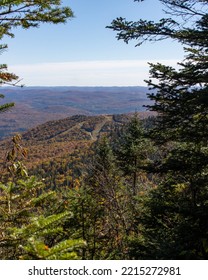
(117, 187)
(37, 105)
(86, 163)
(102, 181)
(59, 138)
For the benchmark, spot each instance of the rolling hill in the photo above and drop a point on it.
(37, 105)
(60, 138)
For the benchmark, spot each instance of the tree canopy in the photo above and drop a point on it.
(176, 220)
(28, 14)
(186, 21)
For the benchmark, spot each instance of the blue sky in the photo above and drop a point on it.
(83, 52)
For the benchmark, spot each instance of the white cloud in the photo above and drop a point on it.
(86, 73)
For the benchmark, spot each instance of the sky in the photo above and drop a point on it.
(83, 52)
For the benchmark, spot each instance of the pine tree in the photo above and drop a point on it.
(181, 100)
(32, 217)
(27, 14)
(101, 204)
(132, 151)
(176, 216)
(27, 228)
(5, 78)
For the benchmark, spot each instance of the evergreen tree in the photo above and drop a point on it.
(105, 184)
(32, 217)
(186, 22)
(101, 203)
(176, 217)
(132, 151)
(5, 78)
(28, 230)
(88, 220)
(28, 14)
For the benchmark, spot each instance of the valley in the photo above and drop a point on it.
(37, 105)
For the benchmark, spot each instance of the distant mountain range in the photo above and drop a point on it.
(37, 105)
